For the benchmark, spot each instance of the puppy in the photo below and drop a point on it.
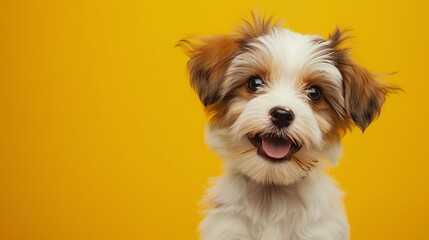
(278, 103)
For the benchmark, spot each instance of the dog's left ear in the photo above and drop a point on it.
(363, 94)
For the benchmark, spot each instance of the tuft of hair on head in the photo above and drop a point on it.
(363, 94)
(211, 56)
(258, 25)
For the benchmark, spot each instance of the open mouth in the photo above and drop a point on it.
(274, 148)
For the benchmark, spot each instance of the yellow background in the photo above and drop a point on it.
(101, 136)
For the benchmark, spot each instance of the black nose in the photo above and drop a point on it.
(281, 117)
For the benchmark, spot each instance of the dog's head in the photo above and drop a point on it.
(279, 101)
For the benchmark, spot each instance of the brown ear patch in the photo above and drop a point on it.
(210, 57)
(363, 94)
(208, 63)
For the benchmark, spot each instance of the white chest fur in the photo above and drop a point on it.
(244, 209)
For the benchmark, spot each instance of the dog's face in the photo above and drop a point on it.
(278, 100)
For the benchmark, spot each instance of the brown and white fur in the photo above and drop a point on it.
(274, 186)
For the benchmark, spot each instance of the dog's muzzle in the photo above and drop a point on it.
(274, 148)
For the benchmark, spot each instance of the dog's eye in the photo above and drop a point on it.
(314, 93)
(255, 83)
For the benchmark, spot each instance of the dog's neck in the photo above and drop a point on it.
(234, 188)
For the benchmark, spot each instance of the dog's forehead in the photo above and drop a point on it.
(286, 45)
(288, 54)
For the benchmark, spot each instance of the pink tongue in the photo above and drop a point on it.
(276, 147)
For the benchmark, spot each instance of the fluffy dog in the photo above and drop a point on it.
(278, 103)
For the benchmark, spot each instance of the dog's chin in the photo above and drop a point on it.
(274, 148)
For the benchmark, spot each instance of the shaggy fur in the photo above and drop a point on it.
(262, 196)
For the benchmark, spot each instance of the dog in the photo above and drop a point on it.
(278, 103)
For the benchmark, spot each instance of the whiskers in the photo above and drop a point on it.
(306, 163)
(246, 151)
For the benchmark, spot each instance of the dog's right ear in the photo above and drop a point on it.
(209, 60)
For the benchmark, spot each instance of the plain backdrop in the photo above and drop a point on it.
(101, 136)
